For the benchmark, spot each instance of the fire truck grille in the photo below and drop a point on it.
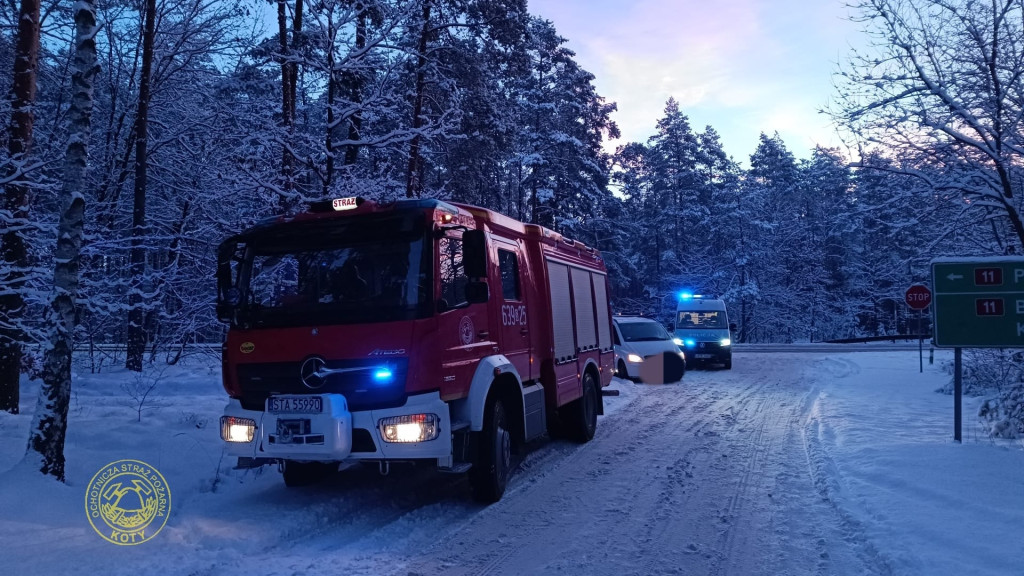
(355, 379)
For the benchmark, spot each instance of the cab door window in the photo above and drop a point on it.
(453, 277)
(508, 264)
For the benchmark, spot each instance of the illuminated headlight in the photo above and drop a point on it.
(726, 342)
(677, 341)
(634, 358)
(411, 428)
(234, 429)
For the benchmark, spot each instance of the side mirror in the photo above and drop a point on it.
(477, 292)
(474, 254)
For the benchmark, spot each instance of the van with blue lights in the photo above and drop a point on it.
(703, 330)
(416, 330)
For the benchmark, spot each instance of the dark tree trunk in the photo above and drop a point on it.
(414, 186)
(331, 90)
(49, 425)
(287, 160)
(137, 268)
(293, 66)
(355, 92)
(16, 200)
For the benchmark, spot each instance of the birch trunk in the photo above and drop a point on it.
(49, 426)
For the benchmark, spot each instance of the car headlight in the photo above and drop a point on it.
(634, 358)
(677, 341)
(726, 341)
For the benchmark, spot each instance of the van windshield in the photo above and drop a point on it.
(689, 319)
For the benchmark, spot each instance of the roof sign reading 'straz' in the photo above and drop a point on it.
(350, 203)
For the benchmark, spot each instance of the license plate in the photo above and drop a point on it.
(702, 356)
(295, 404)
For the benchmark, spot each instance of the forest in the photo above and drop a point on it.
(142, 132)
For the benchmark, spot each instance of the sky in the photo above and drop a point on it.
(849, 452)
(741, 66)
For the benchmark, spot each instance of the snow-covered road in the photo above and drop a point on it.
(711, 476)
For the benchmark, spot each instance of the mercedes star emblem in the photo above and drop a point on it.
(313, 373)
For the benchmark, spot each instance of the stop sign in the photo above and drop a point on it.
(918, 296)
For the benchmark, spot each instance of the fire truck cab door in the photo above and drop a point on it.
(464, 333)
(511, 295)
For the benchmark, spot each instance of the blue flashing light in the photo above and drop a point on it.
(685, 295)
(382, 375)
(690, 342)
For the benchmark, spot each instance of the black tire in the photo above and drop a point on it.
(622, 372)
(581, 420)
(493, 462)
(728, 363)
(305, 473)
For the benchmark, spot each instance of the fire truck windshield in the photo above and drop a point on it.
(342, 272)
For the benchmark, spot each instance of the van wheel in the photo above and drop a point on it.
(622, 372)
(493, 461)
(582, 416)
(305, 473)
(728, 363)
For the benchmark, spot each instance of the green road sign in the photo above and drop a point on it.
(978, 302)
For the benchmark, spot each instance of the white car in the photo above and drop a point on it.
(644, 348)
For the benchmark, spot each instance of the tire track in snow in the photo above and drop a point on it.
(826, 477)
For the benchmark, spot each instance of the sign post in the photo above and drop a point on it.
(918, 297)
(979, 303)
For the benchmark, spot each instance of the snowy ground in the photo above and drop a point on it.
(791, 463)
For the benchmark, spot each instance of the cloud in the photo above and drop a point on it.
(725, 60)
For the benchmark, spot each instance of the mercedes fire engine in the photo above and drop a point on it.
(416, 330)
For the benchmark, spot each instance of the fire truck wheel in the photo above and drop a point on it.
(489, 474)
(304, 473)
(582, 417)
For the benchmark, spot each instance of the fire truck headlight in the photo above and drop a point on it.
(634, 358)
(408, 429)
(234, 429)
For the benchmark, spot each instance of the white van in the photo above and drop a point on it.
(702, 325)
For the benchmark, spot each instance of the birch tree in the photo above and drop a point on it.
(49, 425)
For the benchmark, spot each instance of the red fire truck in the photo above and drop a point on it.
(416, 330)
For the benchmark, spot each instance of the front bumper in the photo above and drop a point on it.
(708, 352)
(634, 369)
(336, 434)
